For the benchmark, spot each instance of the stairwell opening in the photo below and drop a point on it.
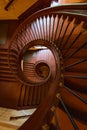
(38, 63)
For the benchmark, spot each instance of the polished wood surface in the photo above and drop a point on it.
(65, 34)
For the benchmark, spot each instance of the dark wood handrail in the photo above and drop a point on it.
(49, 10)
(45, 12)
(31, 23)
(36, 119)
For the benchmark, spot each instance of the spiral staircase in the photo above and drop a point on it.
(61, 95)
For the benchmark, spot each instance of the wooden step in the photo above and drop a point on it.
(63, 119)
(80, 54)
(74, 103)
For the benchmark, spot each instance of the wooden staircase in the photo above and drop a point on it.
(61, 99)
(5, 72)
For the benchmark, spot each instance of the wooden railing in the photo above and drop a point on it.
(65, 34)
(43, 108)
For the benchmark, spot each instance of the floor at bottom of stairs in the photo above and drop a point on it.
(7, 124)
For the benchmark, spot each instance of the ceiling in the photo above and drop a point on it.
(15, 9)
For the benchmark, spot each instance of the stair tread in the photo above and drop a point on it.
(73, 102)
(75, 73)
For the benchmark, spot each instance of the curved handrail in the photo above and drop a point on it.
(77, 19)
(19, 60)
(42, 109)
(65, 7)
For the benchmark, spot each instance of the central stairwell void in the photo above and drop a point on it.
(61, 95)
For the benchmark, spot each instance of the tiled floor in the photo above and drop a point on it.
(7, 124)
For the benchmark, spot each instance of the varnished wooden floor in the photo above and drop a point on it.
(7, 124)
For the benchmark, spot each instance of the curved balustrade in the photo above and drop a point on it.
(65, 34)
(35, 75)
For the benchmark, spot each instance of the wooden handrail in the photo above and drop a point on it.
(36, 120)
(67, 7)
(30, 25)
(20, 39)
